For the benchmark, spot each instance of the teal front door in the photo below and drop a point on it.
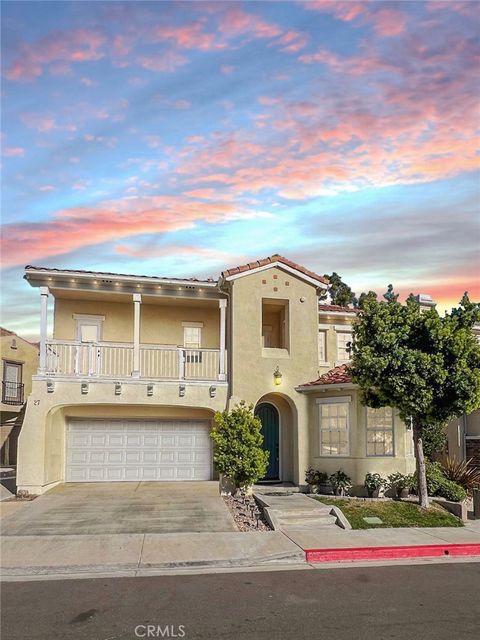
(269, 418)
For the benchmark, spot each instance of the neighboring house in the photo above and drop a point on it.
(128, 385)
(463, 434)
(19, 364)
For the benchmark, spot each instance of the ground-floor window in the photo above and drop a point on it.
(380, 432)
(334, 422)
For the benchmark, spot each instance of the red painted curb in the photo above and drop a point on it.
(391, 553)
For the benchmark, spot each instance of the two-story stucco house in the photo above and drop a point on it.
(128, 384)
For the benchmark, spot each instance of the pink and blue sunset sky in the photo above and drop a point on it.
(170, 138)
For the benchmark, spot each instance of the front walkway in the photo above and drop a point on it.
(122, 508)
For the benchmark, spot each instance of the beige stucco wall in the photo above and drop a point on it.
(159, 324)
(357, 464)
(25, 354)
(41, 445)
(253, 367)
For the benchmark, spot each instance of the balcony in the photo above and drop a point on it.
(108, 360)
(12, 393)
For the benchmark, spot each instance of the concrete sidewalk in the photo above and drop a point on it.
(37, 555)
(336, 538)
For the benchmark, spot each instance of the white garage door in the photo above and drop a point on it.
(129, 450)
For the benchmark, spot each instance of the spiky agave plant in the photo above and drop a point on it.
(462, 472)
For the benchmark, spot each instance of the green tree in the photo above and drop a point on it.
(238, 452)
(340, 292)
(425, 365)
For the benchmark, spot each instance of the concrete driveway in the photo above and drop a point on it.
(122, 507)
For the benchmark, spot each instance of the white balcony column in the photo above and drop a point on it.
(223, 333)
(44, 291)
(137, 301)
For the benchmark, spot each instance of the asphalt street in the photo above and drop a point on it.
(404, 602)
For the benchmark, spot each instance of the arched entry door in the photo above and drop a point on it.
(270, 420)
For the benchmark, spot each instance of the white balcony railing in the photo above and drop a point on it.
(115, 360)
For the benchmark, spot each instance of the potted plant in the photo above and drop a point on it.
(340, 482)
(400, 483)
(312, 478)
(324, 485)
(373, 484)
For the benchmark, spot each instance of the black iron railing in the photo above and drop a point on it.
(12, 392)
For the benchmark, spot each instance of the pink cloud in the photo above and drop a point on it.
(227, 69)
(293, 41)
(235, 22)
(190, 36)
(78, 45)
(389, 22)
(70, 229)
(12, 152)
(46, 188)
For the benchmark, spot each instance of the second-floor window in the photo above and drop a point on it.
(322, 345)
(192, 337)
(343, 338)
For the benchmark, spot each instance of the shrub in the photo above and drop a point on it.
(460, 472)
(398, 481)
(238, 452)
(373, 481)
(315, 477)
(340, 481)
(435, 477)
(451, 491)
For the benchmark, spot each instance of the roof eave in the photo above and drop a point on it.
(338, 386)
(58, 274)
(281, 265)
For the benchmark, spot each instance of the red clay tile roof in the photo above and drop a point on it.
(337, 375)
(336, 308)
(270, 260)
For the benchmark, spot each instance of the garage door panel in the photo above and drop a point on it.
(135, 450)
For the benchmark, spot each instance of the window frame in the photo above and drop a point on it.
(323, 330)
(343, 329)
(92, 320)
(321, 402)
(374, 429)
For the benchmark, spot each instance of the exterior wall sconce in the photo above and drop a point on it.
(213, 391)
(181, 390)
(118, 389)
(14, 344)
(150, 390)
(84, 388)
(50, 386)
(277, 376)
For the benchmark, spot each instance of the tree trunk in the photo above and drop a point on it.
(420, 462)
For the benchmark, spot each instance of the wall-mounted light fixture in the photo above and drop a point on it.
(14, 344)
(181, 390)
(277, 376)
(149, 389)
(50, 386)
(213, 391)
(84, 388)
(118, 389)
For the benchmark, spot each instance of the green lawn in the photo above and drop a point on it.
(392, 513)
